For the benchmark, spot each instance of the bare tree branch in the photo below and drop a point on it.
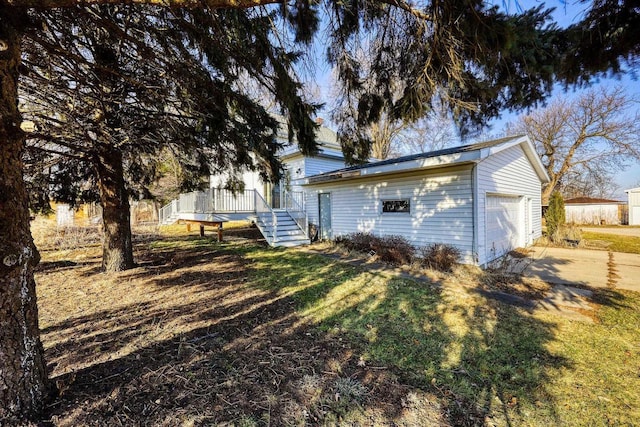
(593, 135)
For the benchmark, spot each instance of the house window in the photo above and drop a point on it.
(401, 206)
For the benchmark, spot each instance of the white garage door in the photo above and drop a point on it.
(503, 225)
(635, 216)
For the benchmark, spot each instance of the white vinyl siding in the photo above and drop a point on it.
(508, 173)
(318, 165)
(441, 207)
(634, 206)
(295, 168)
(251, 181)
(592, 214)
(634, 212)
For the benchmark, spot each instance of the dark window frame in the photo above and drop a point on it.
(393, 206)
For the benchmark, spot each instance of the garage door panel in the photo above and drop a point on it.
(502, 225)
(635, 216)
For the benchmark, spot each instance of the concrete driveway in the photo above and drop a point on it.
(586, 267)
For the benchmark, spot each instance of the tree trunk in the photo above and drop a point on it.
(23, 376)
(117, 249)
(548, 190)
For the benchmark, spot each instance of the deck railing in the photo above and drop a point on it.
(297, 198)
(249, 201)
(293, 203)
(168, 210)
(227, 201)
(212, 200)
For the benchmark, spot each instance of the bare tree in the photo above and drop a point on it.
(434, 132)
(384, 134)
(393, 138)
(593, 182)
(593, 135)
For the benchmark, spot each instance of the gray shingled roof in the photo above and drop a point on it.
(429, 154)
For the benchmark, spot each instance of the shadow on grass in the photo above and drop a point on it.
(485, 359)
(207, 333)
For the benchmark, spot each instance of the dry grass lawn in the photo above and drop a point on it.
(203, 333)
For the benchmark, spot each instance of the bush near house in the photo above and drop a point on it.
(439, 256)
(392, 249)
(398, 250)
(555, 216)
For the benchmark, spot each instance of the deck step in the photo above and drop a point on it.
(287, 234)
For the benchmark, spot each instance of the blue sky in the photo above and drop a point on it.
(565, 14)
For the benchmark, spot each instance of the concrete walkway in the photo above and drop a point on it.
(583, 267)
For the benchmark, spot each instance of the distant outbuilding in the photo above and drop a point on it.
(589, 210)
(633, 195)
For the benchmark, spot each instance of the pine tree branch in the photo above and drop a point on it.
(214, 4)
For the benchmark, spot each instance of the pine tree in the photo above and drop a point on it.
(109, 87)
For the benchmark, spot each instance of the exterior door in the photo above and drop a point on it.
(324, 203)
(529, 221)
(273, 194)
(276, 196)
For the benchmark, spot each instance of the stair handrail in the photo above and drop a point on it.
(167, 211)
(261, 206)
(294, 209)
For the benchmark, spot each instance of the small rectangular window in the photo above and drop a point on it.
(401, 206)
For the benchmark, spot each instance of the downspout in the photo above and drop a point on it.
(474, 202)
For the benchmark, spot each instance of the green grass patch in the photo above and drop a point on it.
(616, 243)
(603, 385)
(489, 362)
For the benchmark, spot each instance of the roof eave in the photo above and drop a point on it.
(399, 167)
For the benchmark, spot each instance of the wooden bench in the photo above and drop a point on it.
(202, 224)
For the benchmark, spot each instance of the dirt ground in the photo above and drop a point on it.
(184, 339)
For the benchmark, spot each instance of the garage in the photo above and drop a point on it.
(483, 199)
(503, 224)
(634, 205)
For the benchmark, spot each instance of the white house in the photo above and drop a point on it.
(297, 167)
(589, 210)
(634, 205)
(482, 198)
(277, 208)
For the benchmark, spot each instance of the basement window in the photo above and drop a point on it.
(396, 206)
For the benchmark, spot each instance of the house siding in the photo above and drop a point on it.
(318, 165)
(508, 173)
(592, 214)
(634, 206)
(441, 208)
(251, 181)
(293, 166)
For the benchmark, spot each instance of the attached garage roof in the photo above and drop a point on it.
(465, 154)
